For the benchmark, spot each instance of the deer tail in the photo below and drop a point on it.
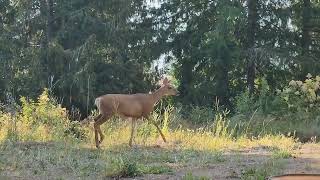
(97, 103)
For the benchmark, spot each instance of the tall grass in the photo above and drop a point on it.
(43, 136)
(45, 120)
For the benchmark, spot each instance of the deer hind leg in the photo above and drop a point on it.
(132, 131)
(97, 128)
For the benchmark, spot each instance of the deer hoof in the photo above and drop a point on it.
(97, 146)
(101, 140)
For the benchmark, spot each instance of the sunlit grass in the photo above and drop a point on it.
(116, 159)
(119, 134)
(42, 145)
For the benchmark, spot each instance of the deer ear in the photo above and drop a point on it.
(165, 81)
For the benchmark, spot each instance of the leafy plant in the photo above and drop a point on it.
(122, 167)
(190, 176)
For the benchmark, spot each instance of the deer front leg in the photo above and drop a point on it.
(132, 131)
(96, 135)
(159, 130)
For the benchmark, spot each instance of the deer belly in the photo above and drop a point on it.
(130, 110)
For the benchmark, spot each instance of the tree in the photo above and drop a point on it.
(251, 42)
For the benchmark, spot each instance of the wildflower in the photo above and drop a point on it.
(299, 83)
(317, 78)
(313, 96)
(309, 76)
(287, 90)
(292, 83)
(304, 88)
(308, 81)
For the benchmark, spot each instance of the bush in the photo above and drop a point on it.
(244, 104)
(293, 109)
(302, 96)
(195, 115)
(41, 120)
(122, 167)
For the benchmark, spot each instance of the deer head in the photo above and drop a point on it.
(168, 89)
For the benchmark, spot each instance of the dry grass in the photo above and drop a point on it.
(68, 158)
(42, 146)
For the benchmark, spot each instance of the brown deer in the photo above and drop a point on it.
(132, 106)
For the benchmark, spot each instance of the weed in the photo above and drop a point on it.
(190, 176)
(281, 154)
(155, 169)
(261, 172)
(122, 167)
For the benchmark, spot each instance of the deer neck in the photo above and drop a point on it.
(157, 95)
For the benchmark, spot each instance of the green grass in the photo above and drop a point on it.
(46, 145)
(190, 176)
(281, 154)
(71, 158)
(67, 157)
(262, 171)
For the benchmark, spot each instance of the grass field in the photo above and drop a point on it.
(40, 142)
(188, 154)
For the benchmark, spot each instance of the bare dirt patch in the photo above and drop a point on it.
(33, 160)
(305, 160)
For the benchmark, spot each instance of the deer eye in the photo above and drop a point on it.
(169, 87)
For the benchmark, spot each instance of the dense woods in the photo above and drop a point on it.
(213, 49)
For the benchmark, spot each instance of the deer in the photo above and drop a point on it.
(130, 106)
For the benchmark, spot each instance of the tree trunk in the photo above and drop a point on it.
(306, 16)
(251, 36)
(46, 9)
(186, 79)
(49, 20)
(305, 39)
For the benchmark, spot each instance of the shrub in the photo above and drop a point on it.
(122, 167)
(302, 96)
(244, 104)
(41, 120)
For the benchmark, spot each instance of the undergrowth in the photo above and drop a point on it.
(46, 142)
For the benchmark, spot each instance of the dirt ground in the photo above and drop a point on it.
(235, 165)
(305, 160)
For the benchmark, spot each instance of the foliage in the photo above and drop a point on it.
(189, 176)
(199, 147)
(41, 120)
(221, 126)
(213, 49)
(201, 115)
(281, 154)
(120, 168)
(302, 96)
